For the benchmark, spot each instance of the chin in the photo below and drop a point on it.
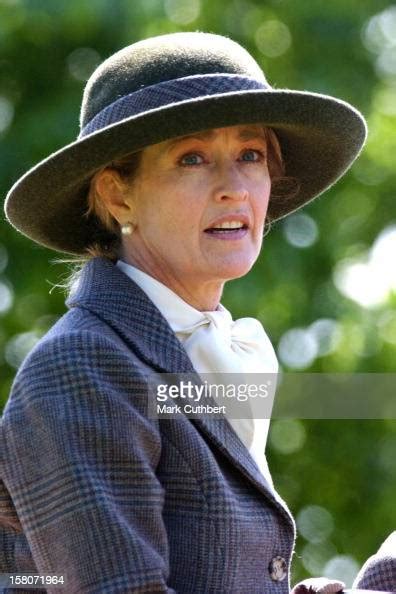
(236, 268)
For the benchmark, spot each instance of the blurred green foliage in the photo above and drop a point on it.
(325, 296)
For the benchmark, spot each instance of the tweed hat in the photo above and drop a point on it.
(169, 86)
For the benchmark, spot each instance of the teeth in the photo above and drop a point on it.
(230, 225)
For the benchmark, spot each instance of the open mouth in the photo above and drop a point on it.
(227, 228)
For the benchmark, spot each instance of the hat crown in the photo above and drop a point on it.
(163, 58)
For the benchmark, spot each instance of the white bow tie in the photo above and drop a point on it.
(218, 345)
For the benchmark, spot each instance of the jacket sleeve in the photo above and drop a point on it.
(80, 458)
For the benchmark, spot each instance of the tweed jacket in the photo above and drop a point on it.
(379, 571)
(94, 489)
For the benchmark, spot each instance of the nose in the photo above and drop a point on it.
(230, 184)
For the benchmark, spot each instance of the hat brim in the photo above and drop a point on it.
(320, 137)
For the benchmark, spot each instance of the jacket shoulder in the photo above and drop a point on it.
(81, 320)
(76, 336)
(80, 360)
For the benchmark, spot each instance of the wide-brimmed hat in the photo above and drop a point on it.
(170, 86)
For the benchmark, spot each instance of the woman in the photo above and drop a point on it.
(185, 153)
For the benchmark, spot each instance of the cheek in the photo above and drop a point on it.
(169, 219)
(261, 200)
(182, 211)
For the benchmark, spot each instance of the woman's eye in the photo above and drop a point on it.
(252, 155)
(191, 159)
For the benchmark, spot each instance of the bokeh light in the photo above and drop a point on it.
(386, 63)
(297, 348)
(82, 62)
(287, 436)
(379, 37)
(369, 173)
(342, 567)
(314, 556)
(379, 32)
(182, 12)
(359, 339)
(315, 523)
(19, 346)
(300, 230)
(6, 297)
(327, 333)
(370, 279)
(273, 38)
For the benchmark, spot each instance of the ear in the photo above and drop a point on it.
(113, 193)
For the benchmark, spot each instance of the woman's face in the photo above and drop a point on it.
(199, 204)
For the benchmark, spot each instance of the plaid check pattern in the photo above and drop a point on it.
(93, 489)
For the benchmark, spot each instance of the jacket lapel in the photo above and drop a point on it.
(110, 294)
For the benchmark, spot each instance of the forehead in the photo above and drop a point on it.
(241, 132)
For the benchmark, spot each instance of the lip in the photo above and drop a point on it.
(237, 216)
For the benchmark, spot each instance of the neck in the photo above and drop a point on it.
(202, 296)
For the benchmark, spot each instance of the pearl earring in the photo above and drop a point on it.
(127, 229)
